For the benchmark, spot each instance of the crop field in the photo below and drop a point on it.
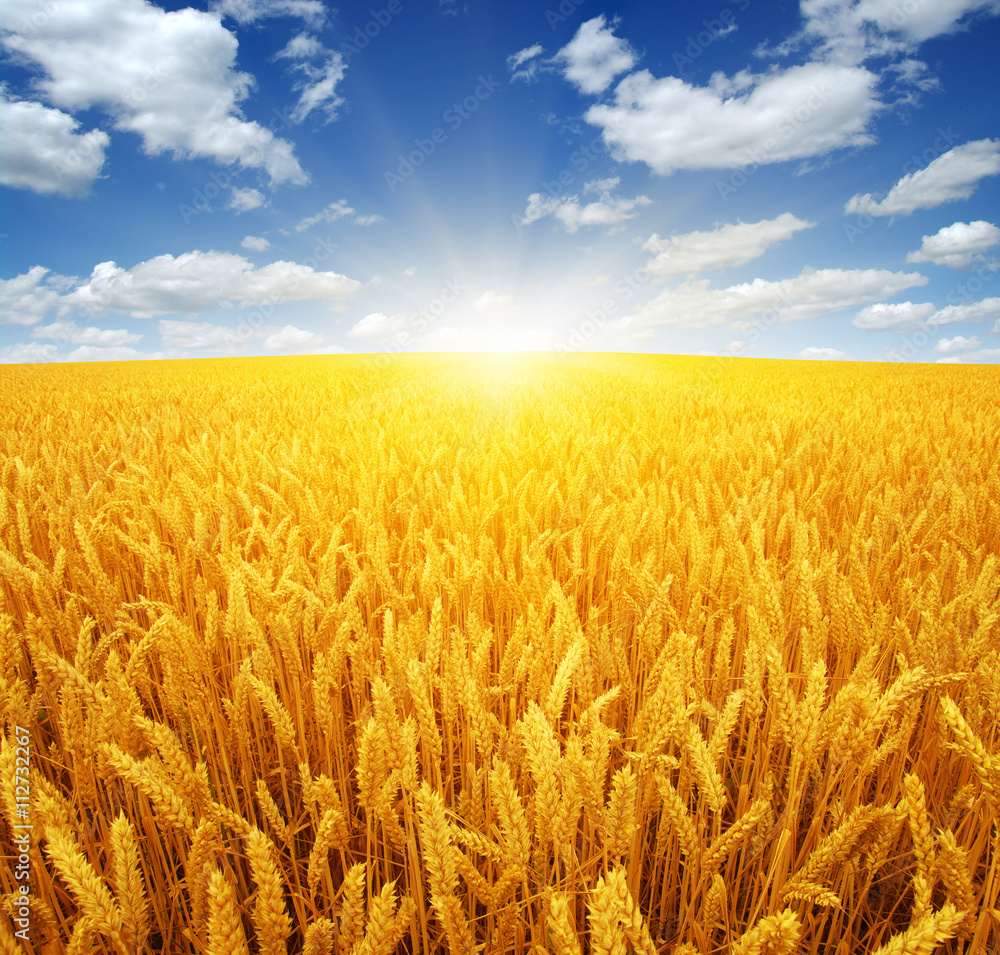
(500, 654)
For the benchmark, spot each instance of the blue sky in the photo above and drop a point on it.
(257, 177)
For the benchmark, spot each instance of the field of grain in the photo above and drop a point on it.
(505, 655)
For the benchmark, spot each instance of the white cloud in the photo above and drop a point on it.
(25, 352)
(522, 56)
(985, 355)
(595, 56)
(731, 244)
(811, 294)
(100, 353)
(291, 337)
(203, 336)
(821, 354)
(971, 312)
(516, 63)
(331, 213)
(319, 88)
(952, 176)
(857, 29)
(600, 186)
(806, 110)
(198, 282)
(249, 11)
(73, 334)
(41, 149)
(957, 245)
(948, 346)
(410, 271)
(243, 200)
(895, 316)
(255, 243)
(378, 327)
(302, 46)
(334, 212)
(28, 298)
(853, 31)
(608, 210)
(913, 317)
(168, 76)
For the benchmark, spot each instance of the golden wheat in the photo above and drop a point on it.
(579, 654)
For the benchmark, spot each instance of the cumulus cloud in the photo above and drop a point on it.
(595, 56)
(811, 294)
(913, 317)
(524, 64)
(27, 353)
(73, 334)
(378, 326)
(971, 312)
(948, 178)
(856, 29)
(243, 200)
(607, 210)
(198, 282)
(28, 298)
(731, 244)
(255, 243)
(291, 337)
(948, 346)
(168, 76)
(957, 245)
(894, 316)
(42, 149)
(803, 111)
(821, 354)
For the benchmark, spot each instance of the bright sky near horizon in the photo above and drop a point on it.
(254, 177)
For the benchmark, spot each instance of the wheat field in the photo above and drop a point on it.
(534, 654)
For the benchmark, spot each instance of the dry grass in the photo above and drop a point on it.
(595, 654)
